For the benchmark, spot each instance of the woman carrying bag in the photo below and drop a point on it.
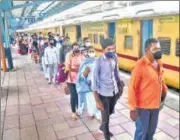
(72, 67)
(83, 86)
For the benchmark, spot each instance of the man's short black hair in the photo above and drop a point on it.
(107, 42)
(150, 41)
(85, 38)
(75, 44)
(90, 47)
(67, 38)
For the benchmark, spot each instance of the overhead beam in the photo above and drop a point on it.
(30, 13)
(60, 7)
(47, 7)
(22, 14)
(23, 5)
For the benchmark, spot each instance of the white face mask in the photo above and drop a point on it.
(85, 53)
(91, 55)
(87, 44)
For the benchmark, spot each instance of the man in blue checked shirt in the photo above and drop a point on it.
(104, 84)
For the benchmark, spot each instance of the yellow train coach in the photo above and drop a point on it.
(130, 27)
(130, 30)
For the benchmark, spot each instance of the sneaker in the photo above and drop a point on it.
(101, 130)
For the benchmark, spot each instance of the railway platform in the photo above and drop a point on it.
(33, 110)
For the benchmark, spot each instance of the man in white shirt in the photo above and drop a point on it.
(51, 56)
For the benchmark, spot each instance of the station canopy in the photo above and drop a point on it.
(23, 13)
(29, 13)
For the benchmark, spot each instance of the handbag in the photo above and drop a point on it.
(30, 50)
(61, 76)
(18, 51)
(65, 88)
(120, 83)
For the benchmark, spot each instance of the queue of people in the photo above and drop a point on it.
(94, 83)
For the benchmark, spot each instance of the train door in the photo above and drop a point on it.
(78, 32)
(111, 30)
(146, 32)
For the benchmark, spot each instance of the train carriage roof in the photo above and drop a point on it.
(155, 8)
(144, 10)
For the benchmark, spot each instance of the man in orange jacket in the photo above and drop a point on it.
(146, 91)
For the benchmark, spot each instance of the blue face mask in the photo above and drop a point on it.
(110, 54)
(46, 44)
(61, 41)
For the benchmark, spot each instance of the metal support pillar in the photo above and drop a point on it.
(2, 53)
(2, 64)
(6, 30)
(7, 43)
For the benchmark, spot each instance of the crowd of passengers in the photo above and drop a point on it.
(94, 83)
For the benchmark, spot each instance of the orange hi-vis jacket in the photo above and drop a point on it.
(146, 85)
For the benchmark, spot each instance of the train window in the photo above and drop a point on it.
(101, 37)
(165, 45)
(177, 47)
(90, 37)
(128, 42)
(95, 39)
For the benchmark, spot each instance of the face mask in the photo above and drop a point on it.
(67, 43)
(157, 55)
(85, 54)
(109, 54)
(52, 44)
(76, 51)
(46, 44)
(87, 44)
(91, 55)
(61, 41)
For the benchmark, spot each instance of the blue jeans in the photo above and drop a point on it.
(81, 102)
(146, 124)
(73, 97)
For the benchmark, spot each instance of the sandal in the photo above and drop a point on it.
(90, 117)
(74, 116)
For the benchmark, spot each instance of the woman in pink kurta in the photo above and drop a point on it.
(73, 63)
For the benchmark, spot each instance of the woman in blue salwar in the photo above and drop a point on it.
(83, 86)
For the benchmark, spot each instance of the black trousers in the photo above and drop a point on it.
(109, 106)
(73, 96)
